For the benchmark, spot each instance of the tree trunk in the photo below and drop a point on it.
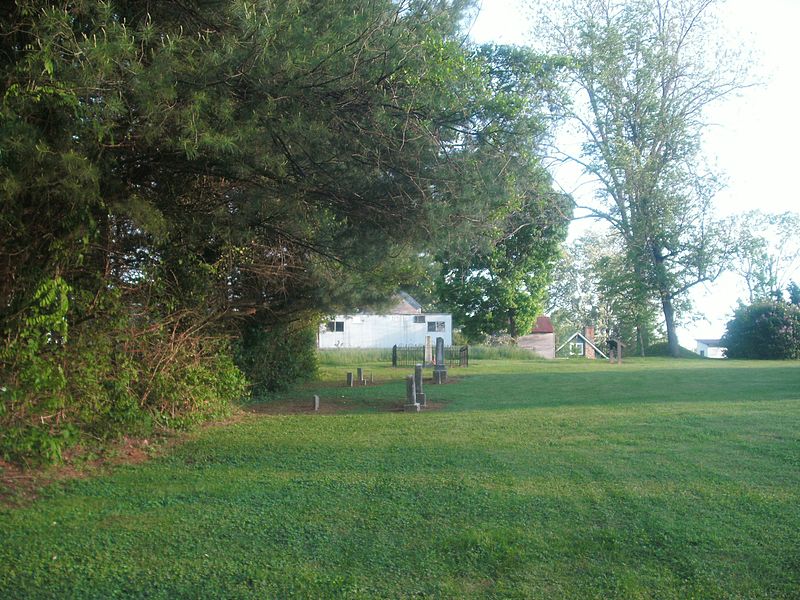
(512, 324)
(669, 319)
(662, 280)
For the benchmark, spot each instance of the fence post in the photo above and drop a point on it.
(394, 356)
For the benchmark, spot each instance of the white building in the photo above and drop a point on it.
(404, 325)
(710, 349)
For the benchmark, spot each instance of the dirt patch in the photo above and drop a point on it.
(19, 486)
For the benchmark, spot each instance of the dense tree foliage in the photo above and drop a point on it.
(767, 330)
(495, 283)
(176, 174)
(502, 289)
(642, 74)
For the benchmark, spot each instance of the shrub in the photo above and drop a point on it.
(768, 330)
(110, 375)
(662, 349)
(273, 356)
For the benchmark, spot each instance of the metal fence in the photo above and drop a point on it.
(408, 356)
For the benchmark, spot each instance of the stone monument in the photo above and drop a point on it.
(411, 396)
(440, 368)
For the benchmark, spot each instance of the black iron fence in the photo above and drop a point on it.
(408, 356)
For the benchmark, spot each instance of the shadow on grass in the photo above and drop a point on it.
(594, 386)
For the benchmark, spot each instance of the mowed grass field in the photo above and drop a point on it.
(531, 479)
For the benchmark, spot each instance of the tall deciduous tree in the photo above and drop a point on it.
(766, 252)
(643, 73)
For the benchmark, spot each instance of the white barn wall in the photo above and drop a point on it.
(709, 351)
(384, 331)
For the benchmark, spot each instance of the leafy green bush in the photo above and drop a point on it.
(33, 395)
(104, 376)
(273, 356)
(768, 330)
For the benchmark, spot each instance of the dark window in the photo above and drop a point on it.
(339, 325)
(436, 326)
(335, 325)
(419, 318)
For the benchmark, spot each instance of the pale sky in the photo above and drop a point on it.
(753, 142)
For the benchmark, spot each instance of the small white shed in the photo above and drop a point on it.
(404, 325)
(710, 348)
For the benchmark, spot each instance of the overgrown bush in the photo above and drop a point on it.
(273, 356)
(769, 330)
(104, 376)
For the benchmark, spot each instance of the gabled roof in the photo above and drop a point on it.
(543, 325)
(586, 340)
(408, 298)
(404, 305)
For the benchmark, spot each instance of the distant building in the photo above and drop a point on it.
(541, 340)
(581, 344)
(710, 349)
(404, 324)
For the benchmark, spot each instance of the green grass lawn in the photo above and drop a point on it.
(534, 479)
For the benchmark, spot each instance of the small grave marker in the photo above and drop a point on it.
(420, 395)
(411, 396)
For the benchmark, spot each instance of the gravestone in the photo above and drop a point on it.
(394, 355)
(360, 376)
(420, 395)
(349, 379)
(440, 370)
(316, 403)
(428, 358)
(411, 395)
